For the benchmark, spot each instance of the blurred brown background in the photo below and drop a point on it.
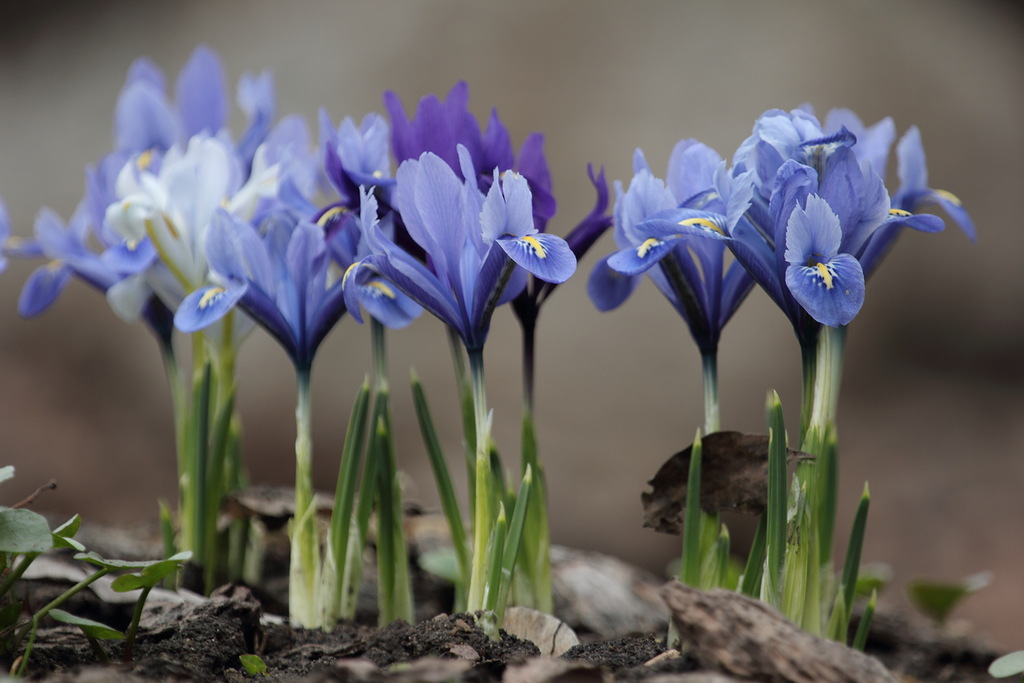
(934, 389)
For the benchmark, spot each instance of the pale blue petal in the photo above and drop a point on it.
(608, 288)
(205, 306)
(548, 257)
(201, 93)
(831, 292)
(812, 233)
(42, 288)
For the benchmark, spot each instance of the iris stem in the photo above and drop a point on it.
(304, 568)
(712, 421)
(482, 495)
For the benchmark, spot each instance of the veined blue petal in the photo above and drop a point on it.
(832, 291)
(924, 222)
(546, 256)
(951, 204)
(607, 287)
(42, 288)
(912, 166)
(205, 306)
(674, 223)
(691, 168)
(639, 259)
(129, 256)
(508, 208)
(143, 119)
(235, 251)
(812, 234)
(391, 307)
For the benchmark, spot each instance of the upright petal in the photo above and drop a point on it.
(201, 93)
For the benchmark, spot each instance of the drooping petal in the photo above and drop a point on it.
(205, 306)
(42, 288)
(607, 287)
(546, 256)
(832, 292)
(641, 258)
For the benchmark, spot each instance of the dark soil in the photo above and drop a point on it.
(203, 642)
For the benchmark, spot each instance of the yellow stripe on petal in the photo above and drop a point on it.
(948, 196)
(705, 222)
(382, 288)
(825, 274)
(348, 271)
(899, 212)
(143, 161)
(538, 249)
(330, 214)
(210, 296)
(646, 246)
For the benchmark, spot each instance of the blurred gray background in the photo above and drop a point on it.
(934, 387)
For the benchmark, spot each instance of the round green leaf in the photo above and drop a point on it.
(254, 665)
(93, 629)
(23, 531)
(1007, 665)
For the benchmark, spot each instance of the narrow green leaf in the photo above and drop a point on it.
(860, 639)
(775, 514)
(93, 629)
(856, 545)
(692, 523)
(838, 619)
(827, 488)
(753, 571)
(449, 502)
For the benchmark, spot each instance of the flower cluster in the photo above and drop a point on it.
(184, 223)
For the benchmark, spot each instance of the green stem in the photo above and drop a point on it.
(133, 627)
(482, 521)
(33, 625)
(712, 421)
(304, 569)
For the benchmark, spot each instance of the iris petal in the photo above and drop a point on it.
(42, 288)
(832, 291)
(608, 288)
(546, 256)
(205, 306)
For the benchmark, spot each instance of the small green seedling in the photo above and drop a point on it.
(1008, 665)
(93, 631)
(253, 665)
(937, 599)
(149, 575)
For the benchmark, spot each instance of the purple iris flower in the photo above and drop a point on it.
(480, 247)
(279, 275)
(440, 127)
(688, 270)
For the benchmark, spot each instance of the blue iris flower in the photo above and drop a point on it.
(688, 270)
(279, 275)
(804, 252)
(480, 247)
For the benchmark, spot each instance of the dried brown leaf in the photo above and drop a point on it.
(734, 478)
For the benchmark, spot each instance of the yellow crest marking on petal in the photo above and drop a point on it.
(210, 296)
(344, 278)
(534, 244)
(825, 274)
(330, 214)
(899, 212)
(383, 288)
(55, 265)
(646, 246)
(378, 174)
(144, 160)
(948, 196)
(705, 222)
